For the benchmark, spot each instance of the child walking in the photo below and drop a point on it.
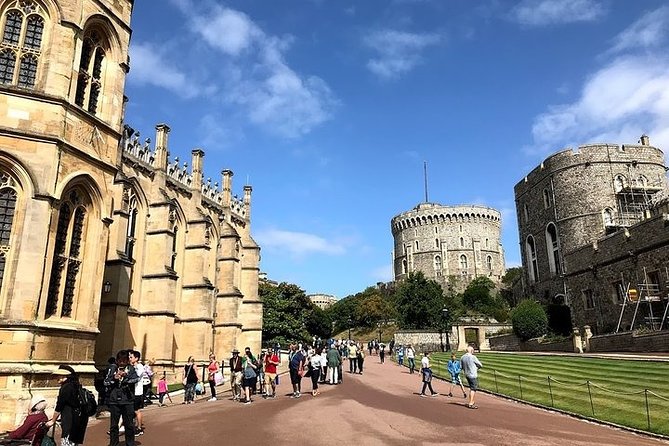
(454, 368)
(162, 390)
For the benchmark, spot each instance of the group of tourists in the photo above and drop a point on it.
(468, 364)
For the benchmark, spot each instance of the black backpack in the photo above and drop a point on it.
(87, 402)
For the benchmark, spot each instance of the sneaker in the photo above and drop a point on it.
(213, 398)
(139, 432)
(247, 402)
(435, 394)
(422, 395)
(298, 394)
(472, 406)
(450, 395)
(121, 430)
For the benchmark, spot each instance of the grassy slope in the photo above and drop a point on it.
(617, 386)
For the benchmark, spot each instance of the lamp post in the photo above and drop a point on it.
(444, 314)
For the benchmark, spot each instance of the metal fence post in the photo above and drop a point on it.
(645, 391)
(494, 372)
(520, 386)
(592, 406)
(550, 391)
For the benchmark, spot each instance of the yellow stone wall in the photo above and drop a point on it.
(51, 147)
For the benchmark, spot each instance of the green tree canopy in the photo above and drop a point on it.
(419, 303)
(286, 310)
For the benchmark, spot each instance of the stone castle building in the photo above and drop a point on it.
(591, 226)
(322, 301)
(104, 242)
(450, 244)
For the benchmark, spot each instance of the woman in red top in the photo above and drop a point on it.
(32, 423)
(212, 369)
(271, 361)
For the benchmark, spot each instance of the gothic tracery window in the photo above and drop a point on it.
(91, 66)
(463, 262)
(531, 253)
(8, 198)
(67, 257)
(130, 235)
(437, 263)
(173, 262)
(20, 49)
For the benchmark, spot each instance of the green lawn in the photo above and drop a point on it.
(617, 390)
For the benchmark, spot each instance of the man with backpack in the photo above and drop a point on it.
(121, 380)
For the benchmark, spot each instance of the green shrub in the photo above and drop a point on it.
(529, 320)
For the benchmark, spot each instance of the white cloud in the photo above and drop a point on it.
(298, 244)
(555, 12)
(620, 101)
(149, 67)
(398, 51)
(648, 31)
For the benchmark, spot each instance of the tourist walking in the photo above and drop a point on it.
(121, 380)
(352, 355)
(212, 369)
(382, 353)
(454, 368)
(296, 370)
(400, 356)
(316, 364)
(134, 357)
(236, 375)
(427, 375)
(189, 381)
(333, 361)
(271, 362)
(470, 366)
(162, 391)
(361, 360)
(73, 419)
(410, 354)
(250, 374)
(391, 347)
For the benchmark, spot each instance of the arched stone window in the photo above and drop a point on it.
(619, 182)
(553, 249)
(416, 245)
(488, 261)
(437, 263)
(21, 48)
(436, 243)
(526, 214)
(531, 253)
(547, 199)
(462, 242)
(91, 70)
(607, 216)
(8, 200)
(404, 266)
(131, 231)
(173, 257)
(68, 255)
(463, 262)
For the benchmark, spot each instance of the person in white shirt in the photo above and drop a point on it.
(134, 357)
(471, 366)
(410, 354)
(427, 375)
(316, 365)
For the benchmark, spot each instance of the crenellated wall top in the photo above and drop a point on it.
(435, 213)
(590, 154)
(146, 157)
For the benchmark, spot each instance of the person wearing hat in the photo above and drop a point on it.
(73, 421)
(31, 424)
(236, 375)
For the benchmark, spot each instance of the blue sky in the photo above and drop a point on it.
(328, 108)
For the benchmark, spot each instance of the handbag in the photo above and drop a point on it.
(185, 380)
(218, 378)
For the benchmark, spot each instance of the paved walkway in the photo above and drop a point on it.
(381, 407)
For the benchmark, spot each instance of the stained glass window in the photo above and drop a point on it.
(22, 37)
(7, 208)
(89, 83)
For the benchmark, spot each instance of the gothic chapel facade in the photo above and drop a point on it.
(104, 242)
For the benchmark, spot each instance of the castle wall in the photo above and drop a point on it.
(433, 238)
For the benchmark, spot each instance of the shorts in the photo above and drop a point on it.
(269, 378)
(473, 383)
(295, 377)
(138, 402)
(455, 379)
(250, 382)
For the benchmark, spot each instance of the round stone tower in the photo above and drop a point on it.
(450, 244)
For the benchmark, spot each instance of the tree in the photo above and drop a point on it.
(510, 290)
(478, 295)
(285, 312)
(419, 303)
(319, 323)
(529, 320)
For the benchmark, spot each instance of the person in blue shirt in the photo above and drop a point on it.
(454, 368)
(400, 356)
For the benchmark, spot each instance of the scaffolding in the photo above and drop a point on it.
(635, 197)
(647, 292)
